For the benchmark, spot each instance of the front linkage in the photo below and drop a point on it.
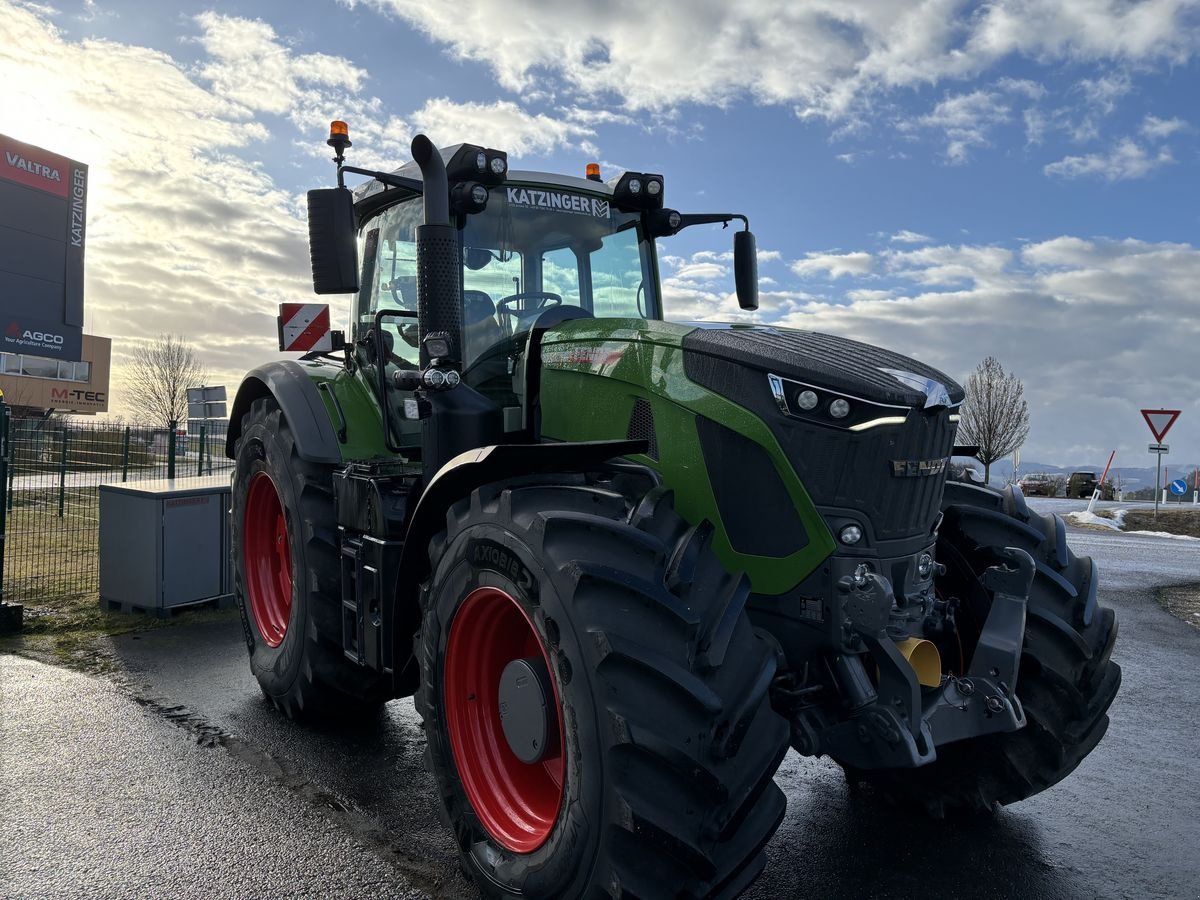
(888, 720)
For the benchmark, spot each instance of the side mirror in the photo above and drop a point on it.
(331, 241)
(745, 269)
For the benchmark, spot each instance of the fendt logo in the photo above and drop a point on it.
(17, 161)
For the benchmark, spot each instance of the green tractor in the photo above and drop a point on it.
(623, 564)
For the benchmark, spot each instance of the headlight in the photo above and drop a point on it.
(839, 408)
(806, 400)
(851, 534)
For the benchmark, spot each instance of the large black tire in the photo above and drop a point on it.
(669, 741)
(1066, 682)
(297, 654)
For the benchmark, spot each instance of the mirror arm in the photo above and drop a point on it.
(686, 220)
(412, 185)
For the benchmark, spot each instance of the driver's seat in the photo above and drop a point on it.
(480, 329)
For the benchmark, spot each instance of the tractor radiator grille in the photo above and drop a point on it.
(860, 471)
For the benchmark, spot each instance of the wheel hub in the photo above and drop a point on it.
(529, 722)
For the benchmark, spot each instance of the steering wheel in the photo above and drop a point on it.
(547, 298)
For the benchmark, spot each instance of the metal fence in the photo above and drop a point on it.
(52, 501)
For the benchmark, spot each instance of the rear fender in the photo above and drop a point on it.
(297, 395)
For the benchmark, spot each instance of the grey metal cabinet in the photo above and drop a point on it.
(165, 543)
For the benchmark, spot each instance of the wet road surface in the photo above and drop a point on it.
(1126, 824)
(101, 796)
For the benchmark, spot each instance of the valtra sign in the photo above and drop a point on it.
(43, 227)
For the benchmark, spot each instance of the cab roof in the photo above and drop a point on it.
(413, 171)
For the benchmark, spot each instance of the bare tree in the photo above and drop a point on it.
(158, 377)
(995, 415)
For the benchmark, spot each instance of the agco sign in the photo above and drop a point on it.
(36, 340)
(41, 337)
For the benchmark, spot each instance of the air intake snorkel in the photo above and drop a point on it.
(455, 417)
(439, 281)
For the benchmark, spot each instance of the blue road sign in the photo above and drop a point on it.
(1178, 487)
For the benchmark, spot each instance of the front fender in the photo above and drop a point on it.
(453, 481)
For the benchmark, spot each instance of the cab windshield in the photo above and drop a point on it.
(532, 249)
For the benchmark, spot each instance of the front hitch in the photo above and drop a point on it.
(892, 723)
(985, 699)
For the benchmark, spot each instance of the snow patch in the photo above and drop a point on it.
(1083, 517)
(1165, 534)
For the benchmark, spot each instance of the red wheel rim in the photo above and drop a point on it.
(516, 802)
(268, 560)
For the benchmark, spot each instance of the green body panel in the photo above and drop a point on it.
(592, 372)
(364, 421)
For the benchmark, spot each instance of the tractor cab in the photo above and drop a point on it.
(544, 249)
(515, 254)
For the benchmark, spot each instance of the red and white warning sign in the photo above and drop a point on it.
(1160, 421)
(304, 327)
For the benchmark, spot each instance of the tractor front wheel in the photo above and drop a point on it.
(595, 701)
(1067, 678)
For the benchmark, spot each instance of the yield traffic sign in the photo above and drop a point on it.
(1160, 421)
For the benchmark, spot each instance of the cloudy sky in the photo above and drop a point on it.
(949, 179)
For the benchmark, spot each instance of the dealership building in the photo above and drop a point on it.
(34, 385)
(46, 361)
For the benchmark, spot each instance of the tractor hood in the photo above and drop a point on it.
(721, 352)
(826, 361)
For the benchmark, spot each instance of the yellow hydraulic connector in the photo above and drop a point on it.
(925, 659)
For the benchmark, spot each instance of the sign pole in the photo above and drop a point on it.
(1160, 422)
(1157, 483)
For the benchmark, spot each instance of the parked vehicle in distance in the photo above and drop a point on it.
(1039, 484)
(1082, 485)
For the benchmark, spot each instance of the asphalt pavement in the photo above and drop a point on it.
(103, 796)
(184, 777)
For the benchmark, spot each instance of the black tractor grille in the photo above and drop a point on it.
(860, 471)
(848, 470)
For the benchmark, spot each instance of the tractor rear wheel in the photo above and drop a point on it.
(286, 576)
(1066, 681)
(595, 700)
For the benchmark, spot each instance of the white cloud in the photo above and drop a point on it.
(1157, 129)
(500, 124)
(824, 59)
(249, 67)
(1096, 327)
(186, 233)
(1126, 160)
(702, 272)
(904, 236)
(966, 120)
(1104, 92)
(834, 265)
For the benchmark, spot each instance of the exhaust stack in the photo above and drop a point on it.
(439, 286)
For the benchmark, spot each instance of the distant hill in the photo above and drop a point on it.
(1132, 477)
